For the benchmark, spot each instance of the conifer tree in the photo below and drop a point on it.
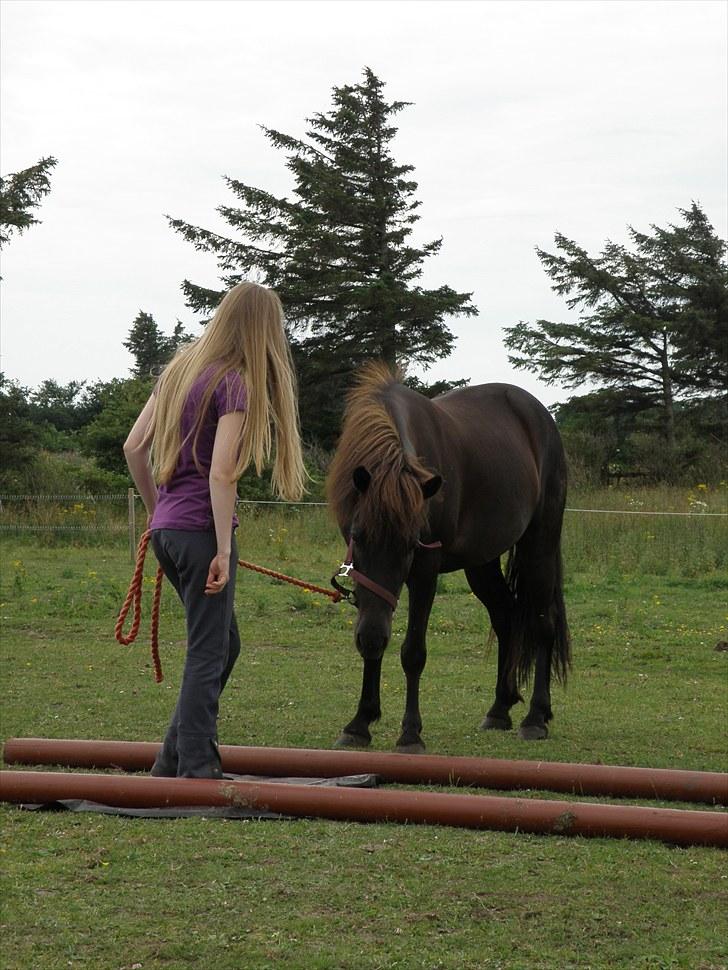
(654, 318)
(151, 348)
(338, 252)
(20, 193)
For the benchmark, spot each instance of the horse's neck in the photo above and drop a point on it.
(396, 405)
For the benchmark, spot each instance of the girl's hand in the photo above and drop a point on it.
(218, 574)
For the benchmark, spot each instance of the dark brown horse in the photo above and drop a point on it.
(421, 487)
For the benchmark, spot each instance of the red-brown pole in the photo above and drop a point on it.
(369, 805)
(661, 783)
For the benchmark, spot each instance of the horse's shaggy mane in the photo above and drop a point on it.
(393, 504)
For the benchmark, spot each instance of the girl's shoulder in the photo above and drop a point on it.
(231, 393)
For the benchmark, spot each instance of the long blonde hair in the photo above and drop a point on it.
(245, 335)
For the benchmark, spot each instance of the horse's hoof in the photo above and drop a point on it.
(417, 748)
(533, 732)
(345, 740)
(491, 723)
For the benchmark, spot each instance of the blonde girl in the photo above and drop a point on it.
(224, 403)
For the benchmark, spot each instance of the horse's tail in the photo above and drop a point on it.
(539, 614)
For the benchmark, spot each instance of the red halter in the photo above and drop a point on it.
(347, 571)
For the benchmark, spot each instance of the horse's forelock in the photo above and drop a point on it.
(393, 503)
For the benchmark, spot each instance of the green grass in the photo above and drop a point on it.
(648, 688)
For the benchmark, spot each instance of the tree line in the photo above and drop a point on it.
(650, 339)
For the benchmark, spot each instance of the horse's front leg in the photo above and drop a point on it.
(422, 588)
(356, 734)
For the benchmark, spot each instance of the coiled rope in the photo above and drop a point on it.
(134, 596)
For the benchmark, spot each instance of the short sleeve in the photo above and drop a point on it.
(231, 394)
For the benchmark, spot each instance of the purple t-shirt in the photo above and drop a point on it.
(184, 502)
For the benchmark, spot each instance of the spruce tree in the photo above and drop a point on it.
(20, 193)
(151, 348)
(338, 252)
(654, 318)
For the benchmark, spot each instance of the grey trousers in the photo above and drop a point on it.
(213, 643)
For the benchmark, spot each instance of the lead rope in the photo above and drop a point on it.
(134, 595)
(334, 595)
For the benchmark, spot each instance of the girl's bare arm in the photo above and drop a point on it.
(223, 493)
(136, 452)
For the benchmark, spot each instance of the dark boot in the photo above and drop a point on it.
(166, 762)
(199, 757)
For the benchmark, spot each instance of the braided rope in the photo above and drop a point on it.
(332, 594)
(134, 596)
(158, 675)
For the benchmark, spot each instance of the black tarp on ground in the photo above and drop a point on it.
(200, 811)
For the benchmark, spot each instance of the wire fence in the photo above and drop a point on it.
(681, 532)
(81, 514)
(132, 496)
(121, 513)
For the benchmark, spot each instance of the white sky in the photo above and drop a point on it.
(528, 118)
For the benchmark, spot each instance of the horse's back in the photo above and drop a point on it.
(501, 419)
(504, 453)
(495, 399)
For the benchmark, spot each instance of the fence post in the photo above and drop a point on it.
(130, 497)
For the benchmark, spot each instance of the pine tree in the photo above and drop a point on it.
(338, 252)
(20, 193)
(151, 348)
(654, 323)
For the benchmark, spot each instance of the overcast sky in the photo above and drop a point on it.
(527, 119)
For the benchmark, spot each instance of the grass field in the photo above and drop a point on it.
(647, 605)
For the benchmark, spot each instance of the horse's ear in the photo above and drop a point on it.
(361, 478)
(431, 486)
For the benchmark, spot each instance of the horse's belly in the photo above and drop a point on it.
(486, 532)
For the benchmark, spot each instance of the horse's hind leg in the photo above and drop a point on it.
(543, 631)
(534, 725)
(490, 587)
